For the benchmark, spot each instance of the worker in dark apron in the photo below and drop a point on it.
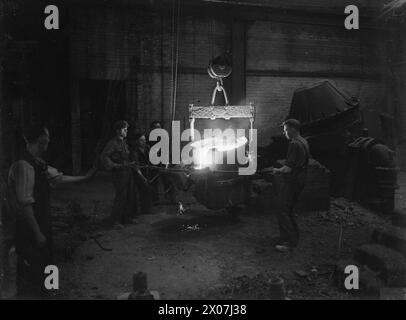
(290, 181)
(140, 156)
(161, 179)
(116, 158)
(29, 183)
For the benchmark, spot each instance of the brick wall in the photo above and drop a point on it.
(114, 43)
(284, 56)
(125, 44)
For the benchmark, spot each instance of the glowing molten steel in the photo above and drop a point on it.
(204, 150)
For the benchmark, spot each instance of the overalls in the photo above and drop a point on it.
(125, 201)
(290, 188)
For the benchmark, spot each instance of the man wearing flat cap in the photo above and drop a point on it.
(293, 175)
(116, 158)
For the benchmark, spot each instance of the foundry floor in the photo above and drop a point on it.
(204, 254)
(201, 254)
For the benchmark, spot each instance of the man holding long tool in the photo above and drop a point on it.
(116, 158)
(293, 178)
(140, 155)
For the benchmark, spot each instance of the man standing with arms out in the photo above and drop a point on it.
(29, 183)
(293, 177)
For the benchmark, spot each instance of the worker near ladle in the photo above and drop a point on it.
(116, 158)
(29, 220)
(140, 156)
(290, 184)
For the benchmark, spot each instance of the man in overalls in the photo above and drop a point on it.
(293, 178)
(116, 158)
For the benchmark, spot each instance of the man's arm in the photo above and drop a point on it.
(135, 159)
(106, 157)
(284, 169)
(56, 177)
(73, 179)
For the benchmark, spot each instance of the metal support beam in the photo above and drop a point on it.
(238, 76)
(401, 106)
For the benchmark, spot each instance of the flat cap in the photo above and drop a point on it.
(121, 124)
(292, 123)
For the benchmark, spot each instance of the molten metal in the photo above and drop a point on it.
(205, 149)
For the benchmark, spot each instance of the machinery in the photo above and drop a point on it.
(362, 168)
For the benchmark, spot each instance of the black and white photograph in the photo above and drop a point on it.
(203, 154)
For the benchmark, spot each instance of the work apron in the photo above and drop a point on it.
(32, 259)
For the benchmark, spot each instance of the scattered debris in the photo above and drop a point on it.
(344, 213)
(100, 245)
(181, 208)
(301, 273)
(261, 286)
(190, 228)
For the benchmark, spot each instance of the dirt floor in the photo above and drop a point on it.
(201, 254)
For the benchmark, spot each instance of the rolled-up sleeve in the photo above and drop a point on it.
(54, 176)
(23, 175)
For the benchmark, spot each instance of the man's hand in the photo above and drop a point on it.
(284, 169)
(41, 240)
(91, 173)
(269, 170)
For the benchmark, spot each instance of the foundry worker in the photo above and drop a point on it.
(7, 235)
(29, 183)
(140, 156)
(164, 179)
(156, 124)
(292, 180)
(116, 158)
